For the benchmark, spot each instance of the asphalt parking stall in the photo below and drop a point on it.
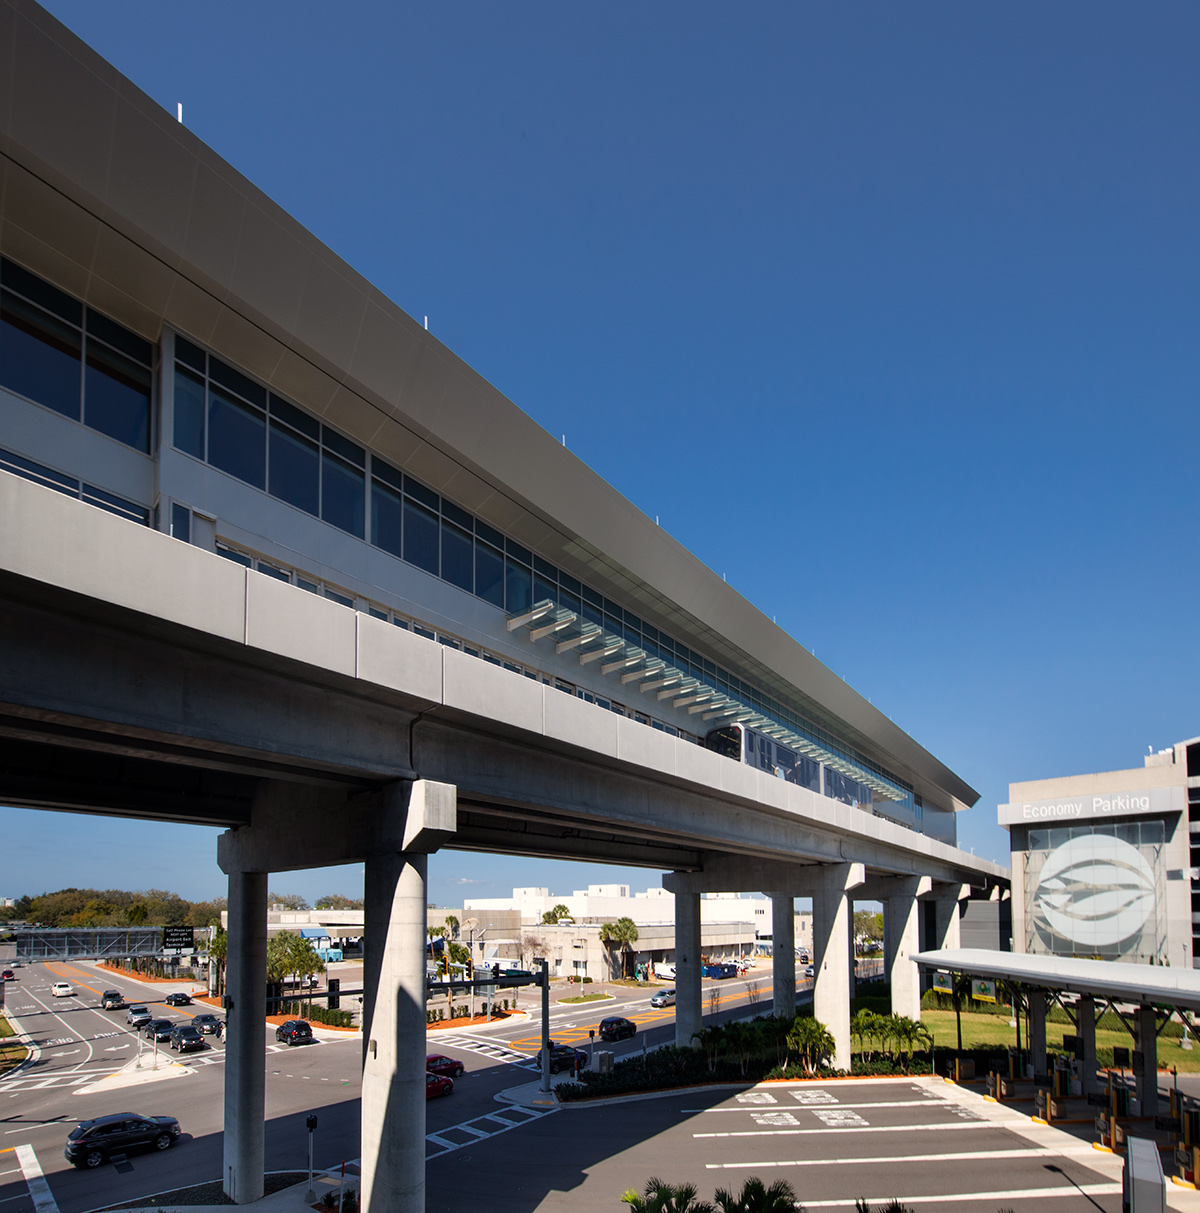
(927, 1144)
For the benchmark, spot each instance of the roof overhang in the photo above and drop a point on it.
(1119, 981)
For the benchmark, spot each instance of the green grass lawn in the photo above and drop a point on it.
(587, 998)
(979, 1031)
(11, 1054)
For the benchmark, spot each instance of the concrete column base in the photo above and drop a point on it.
(688, 1013)
(833, 958)
(393, 1082)
(783, 953)
(901, 936)
(245, 1060)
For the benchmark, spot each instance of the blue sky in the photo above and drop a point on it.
(890, 314)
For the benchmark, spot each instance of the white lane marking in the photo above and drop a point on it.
(754, 1097)
(35, 1181)
(883, 1103)
(945, 1198)
(888, 1159)
(837, 1117)
(877, 1129)
(475, 1133)
(814, 1097)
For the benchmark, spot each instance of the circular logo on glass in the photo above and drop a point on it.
(1095, 891)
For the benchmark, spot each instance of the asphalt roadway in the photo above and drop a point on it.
(922, 1141)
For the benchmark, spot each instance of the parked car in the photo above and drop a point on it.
(809, 971)
(664, 998)
(93, 1142)
(178, 1000)
(62, 989)
(112, 1000)
(158, 1029)
(206, 1024)
(294, 1032)
(616, 1028)
(436, 1084)
(447, 1067)
(8, 975)
(138, 1015)
(562, 1057)
(186, 1039)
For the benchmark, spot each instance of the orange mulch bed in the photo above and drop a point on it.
(278, 1019)
(466, 1021)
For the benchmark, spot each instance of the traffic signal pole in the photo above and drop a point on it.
(545, 980)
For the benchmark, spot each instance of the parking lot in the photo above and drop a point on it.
(924, 1142)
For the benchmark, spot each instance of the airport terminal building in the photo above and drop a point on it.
(1103, 866)
(273, 557)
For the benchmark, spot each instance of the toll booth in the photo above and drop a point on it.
(1142, 1184)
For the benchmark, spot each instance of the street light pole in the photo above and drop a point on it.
(545, 967)
(311, 1195)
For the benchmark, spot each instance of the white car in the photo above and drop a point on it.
(62, 989)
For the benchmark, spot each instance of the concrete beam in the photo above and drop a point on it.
(289, 825)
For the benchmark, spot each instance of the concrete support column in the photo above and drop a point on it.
(393, 1078)
(1085, 1010)
(687, 969)
(783, 953)
(832, 957)
(946, 922)
(1146, 1075)
(1037, 1031)
(901, 939)
(245, 1058)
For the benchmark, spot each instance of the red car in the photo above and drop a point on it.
(436, 1085)
(8, 975)
(447, 1067)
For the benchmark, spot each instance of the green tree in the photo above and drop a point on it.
(286, 901)
(279, 955)
(775, 1029)
(459, 953)
(218, 950)
(810, 1040)
(710, 1038)
(560, 911)
(137, 914)
(660, 1197)
(452, 925)
(756, 1197)
(741, 1038)
(620, 935)
(865, 1026)
(336, 901)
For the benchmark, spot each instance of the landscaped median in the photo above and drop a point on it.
(12, 1052)
(767, 1048)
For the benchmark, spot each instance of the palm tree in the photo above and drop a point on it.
(812, 1040)
(756, 1197)
(660, 1197)
(865, 1026)
(710, 1038)
(621, 933)
(741, 1038)
(218, 949)
(775, 1029)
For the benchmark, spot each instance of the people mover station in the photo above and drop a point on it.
(272, 558)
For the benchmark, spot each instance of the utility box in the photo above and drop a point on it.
(604, 1061)
(1142, 1186)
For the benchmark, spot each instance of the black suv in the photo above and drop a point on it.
(158, 1029)
(206, 1024)
(93, 1142)
(112, 1000)
(178, 1000)
(186, 1039)
(295, 1032)
(616, 1028)
(562, 1057)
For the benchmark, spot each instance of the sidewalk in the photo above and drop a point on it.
(291, 1199)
